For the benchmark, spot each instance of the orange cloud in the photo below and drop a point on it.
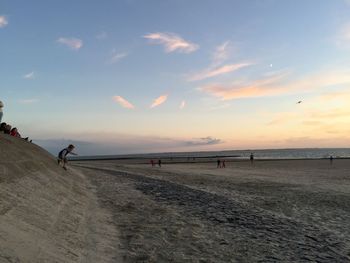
(123, 102)
(158, 101)
(277, 85)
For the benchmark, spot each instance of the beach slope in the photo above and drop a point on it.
(48, 214)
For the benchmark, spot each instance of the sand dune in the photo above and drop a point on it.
(46, 213)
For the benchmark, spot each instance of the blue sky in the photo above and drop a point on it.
(219, 74)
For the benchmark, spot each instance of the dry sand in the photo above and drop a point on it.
(126, 211)
(272, 211)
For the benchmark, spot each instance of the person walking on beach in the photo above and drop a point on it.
(331, 159)
(62, 155)
(1, 112)
(160, 163)
(251, 158)
(223, 164)
(218, 162)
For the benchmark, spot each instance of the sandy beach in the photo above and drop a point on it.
(272, 211)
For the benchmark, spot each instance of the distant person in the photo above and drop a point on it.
(152, 163)
(8, 128)
(223, 164)
(331, 159)
(14, 132)
(2, 127)
(218, 163)
(1, 112)
(160, 163)
(62, 155)
(251, 158)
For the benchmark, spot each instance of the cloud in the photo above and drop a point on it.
(104, 144)
(213, 72)
(28, 101)
(3, 21)
(29, 75)
(158, 101)
(277, 85)
(102, 35)
(117, 57)
(182, 105)
(343, 36)
(204, 141)
(172, 42)
(221, 53)
(123, 102)
(72, 43)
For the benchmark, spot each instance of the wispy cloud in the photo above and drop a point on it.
(29, 75)
(72, 43)
(277, 85)
(117, 56)
(221, 53)
(172, 42)
(3, 21)
(28, 101)
(213, 72)
(123, 102)
(182, 105)
(101, 35)
(343, 37)
(158, 101)
(204, 141)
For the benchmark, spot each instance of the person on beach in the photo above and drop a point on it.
(218, 163)
(251, 158)
(331, 159)
(3, 127)
(223, 164)
(1, 112)
(160, 163)
(152, 163)
(62, 155)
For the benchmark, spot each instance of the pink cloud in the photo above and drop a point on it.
(182, 105)
(172, 42)
(158, 101)
(3, 21)
(72, 43)
(277, 85)
(123, 102)
(213, 72)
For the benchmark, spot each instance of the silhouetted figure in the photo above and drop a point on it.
(223, 164)
(1, 107)
(251, 158)
(218, 163)
(152, 163)
(160, 163)
(331, 159)
(3, 127)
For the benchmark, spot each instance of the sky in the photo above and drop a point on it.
(128, 76)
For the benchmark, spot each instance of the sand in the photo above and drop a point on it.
(127, 211)
(272, 211)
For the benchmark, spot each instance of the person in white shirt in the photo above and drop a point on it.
(1, 113)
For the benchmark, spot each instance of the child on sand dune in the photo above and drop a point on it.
(62, 156)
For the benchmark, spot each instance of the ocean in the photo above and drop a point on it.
(307, 153)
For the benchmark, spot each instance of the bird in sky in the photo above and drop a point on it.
(299, 102)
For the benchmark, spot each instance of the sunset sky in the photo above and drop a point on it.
(132, 76)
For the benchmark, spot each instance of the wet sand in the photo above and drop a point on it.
(272, 211)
